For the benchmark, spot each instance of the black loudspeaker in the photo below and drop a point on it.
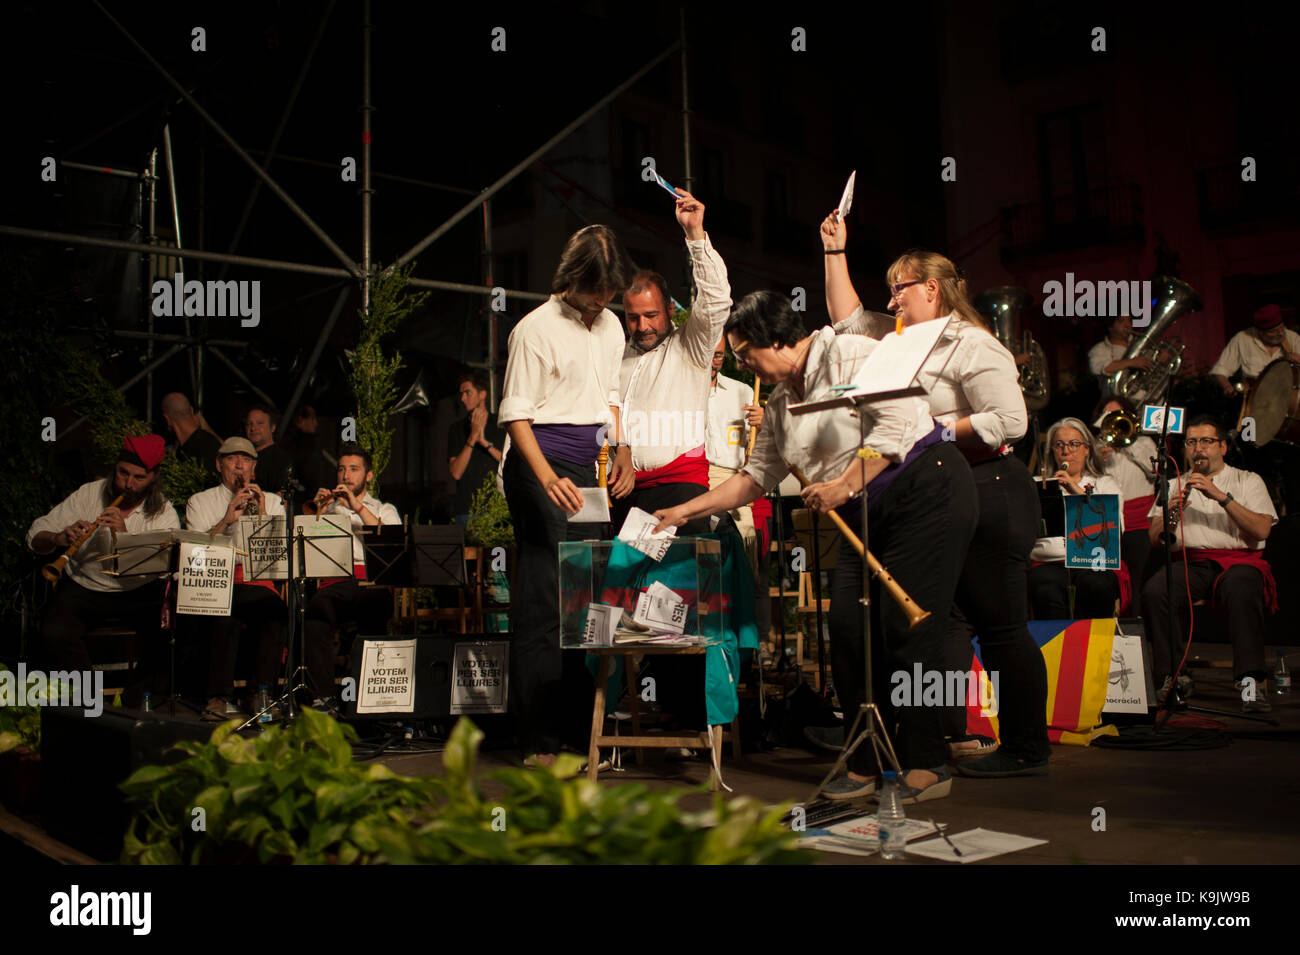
(435, 656)
(84, 758)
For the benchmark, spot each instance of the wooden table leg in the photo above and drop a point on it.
(597, 719)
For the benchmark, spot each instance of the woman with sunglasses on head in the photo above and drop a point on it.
(973, 387)
(1072, 460)
(921, 502)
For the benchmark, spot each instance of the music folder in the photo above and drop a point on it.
(892, 370)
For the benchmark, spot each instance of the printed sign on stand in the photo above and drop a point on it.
(480, 677)
(387, 682)
(207, 579)
(1092, 532)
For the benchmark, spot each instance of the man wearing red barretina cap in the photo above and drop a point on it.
(1250, 352)
(85, 596)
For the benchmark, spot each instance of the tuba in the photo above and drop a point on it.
(1002, 306)
(1148, 386)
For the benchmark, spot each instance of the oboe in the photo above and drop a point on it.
(53, 571)
(250, 509)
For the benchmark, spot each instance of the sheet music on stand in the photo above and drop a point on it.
(150, 554)
(323, 545)
(892, 370)
(388, 556)
(264, 555)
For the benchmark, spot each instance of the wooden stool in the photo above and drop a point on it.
(711, 739)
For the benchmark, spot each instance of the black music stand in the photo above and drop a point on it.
(439, 552)
(884, 372)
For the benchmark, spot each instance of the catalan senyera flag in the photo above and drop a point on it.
(1077, 655)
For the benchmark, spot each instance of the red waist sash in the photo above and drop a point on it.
(1227, 558)
(1135, 513)
(689, 468)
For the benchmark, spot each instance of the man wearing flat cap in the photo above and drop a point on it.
(257, 603)
(85, 596)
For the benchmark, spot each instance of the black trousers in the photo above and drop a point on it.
(679, 681)
(1095, 592)
(1240, 595)
(265, 614)
(1135, 549)
(76, 609)
(652, 499)
(992, 603)
(551, 691)
(919, 528)
(329, 609)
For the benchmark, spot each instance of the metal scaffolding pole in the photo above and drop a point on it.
(366, 109)
(274, 186)
(314, 357)
(491, 312)
(221, 356)
(270, 155)
(301, 267)
(142, 373)
(146, 264)
(196, 379)
(523, 164)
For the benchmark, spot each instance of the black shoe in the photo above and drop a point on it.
(1001, 764)
(829, 739)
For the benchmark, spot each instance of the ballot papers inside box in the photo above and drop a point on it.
(612, 594)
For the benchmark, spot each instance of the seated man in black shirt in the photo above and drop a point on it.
(473, 443)
(193, 440)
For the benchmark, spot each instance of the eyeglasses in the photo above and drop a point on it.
(736, 351)
(1202, 442)
(1071, 445)
(895, 289)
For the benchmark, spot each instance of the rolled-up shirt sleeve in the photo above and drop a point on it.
(861, 322)
(66, 512)
(765, 465)
(894, 426)
(525, 384)
(1229, 359)
(991, 383)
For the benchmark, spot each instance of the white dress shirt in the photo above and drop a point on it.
(1102, 354)
(386, 514)
(206, 509)
(1245, 351)
(1126, 467)
(728, 433)
(1207, 525)
(1049, 550)
(969, 374)
(560, 372)
(85, 504)
(824, 443)
(666, 390)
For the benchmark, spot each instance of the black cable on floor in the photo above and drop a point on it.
(1171, 739)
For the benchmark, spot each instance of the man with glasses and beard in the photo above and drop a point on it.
(1222, 516)
(86, 597)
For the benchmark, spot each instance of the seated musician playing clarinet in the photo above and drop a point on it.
(130, 502)
(257, 603)
(341, 599)
(1221, 517)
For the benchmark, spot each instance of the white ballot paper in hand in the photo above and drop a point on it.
(660, 609)
(638, 532)
(595, 507)
(846, 200)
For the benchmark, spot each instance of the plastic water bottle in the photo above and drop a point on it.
(263, 704)
(148, 702)
(890, 818)
(1281, 677)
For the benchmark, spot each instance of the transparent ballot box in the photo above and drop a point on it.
(612, 594)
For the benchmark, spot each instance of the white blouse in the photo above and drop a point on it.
(1049, 550)
(969, 374)
(823, 443)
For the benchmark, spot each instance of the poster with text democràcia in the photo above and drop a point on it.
(1092, 532)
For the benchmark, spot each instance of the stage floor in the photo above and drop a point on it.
(1228, 806)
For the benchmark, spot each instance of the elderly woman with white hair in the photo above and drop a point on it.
(1072, 460)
